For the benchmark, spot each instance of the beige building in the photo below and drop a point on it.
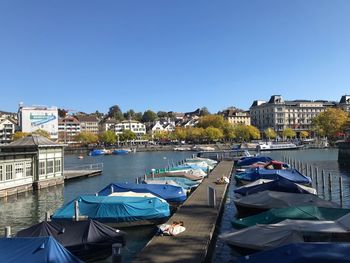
(7, 129)
(344, 103)
(68, 128)
(237, 116)
(88, 123)
(280, 114)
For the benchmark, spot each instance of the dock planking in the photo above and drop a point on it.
(74, 174)
(199, 219)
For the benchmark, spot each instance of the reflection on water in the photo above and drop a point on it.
(29, 208)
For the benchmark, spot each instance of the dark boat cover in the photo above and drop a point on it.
(277, 215)
(253, 159)
(115, 209)
(269, 199)
(279, 185)
(34, 250)
(78, 236)
(272, 174)
(302, 253)
(169, 193)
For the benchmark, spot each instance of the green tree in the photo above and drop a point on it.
(161, 135)
(149, 116)
(108, 137)
(86, 138)
(146, 137)
(242, 133)
(254, 133)
(180, 133)
(42, 133)
(270, 133)
(130, 114)
(115, 113)
(204, 111)
(304, 134)
(127, 135)
(288, 133)
(216, 121)
(213, 134)
(19, 135)
(330, 122)
(138, 116)
(195, 134)
(229, 131)
(162, 114)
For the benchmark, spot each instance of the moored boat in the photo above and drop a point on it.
(96, 152)
(120, 211)
(88, 239)
(269, 146)
(121, 151)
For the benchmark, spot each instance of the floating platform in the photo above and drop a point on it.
(75, 174)
(200, 221)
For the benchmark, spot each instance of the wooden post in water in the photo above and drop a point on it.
(7, 231)
(137, 180)
(341, 192)
(47, 216)
(323, 183)
(316, 178)
(96, 194)
(208, 171)
(76, 210)
(217, 157)
(112, 189)
(145, 177)
(211, 197)
(152, 174)
(330, 186)
(116, 253)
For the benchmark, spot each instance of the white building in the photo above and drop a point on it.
(136, 127)
(279, 114)
(344, 103)
(34, 118)
(157, 127)
(30, 162)
(7, 129)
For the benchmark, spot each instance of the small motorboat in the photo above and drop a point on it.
(121, 151)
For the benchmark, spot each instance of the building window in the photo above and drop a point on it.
(19, 170)
(29, 169)
(9, 171)
(49, 167)
(41, 167)
(57, 166)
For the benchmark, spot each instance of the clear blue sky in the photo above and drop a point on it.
(171, 54)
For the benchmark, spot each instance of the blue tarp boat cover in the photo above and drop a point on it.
(253, 159)
(34, 250)
(181, 181)
(169, 193)
(302, 253)
(96, 152)
(85, 239)
(115, 209)
(279, 185)
(192, 166)
(262, 173)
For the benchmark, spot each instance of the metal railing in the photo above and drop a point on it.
(89, 167)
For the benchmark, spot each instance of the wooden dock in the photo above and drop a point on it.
(74, 174)
(199, 219)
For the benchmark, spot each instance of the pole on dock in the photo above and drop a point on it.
(330, 186)
(323, 183)
(152, 174)
(217, 157)
(112, 189)
(145, 177)
(7, 231)
(76, 210)
(341, 192)
(208, 170)
(316, 177)
(47, 216)
(137, 180)
(116, 253)
(211, 197)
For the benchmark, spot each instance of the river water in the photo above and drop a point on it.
(29, 208)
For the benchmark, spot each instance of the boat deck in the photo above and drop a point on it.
(74, 174)
(199, 219)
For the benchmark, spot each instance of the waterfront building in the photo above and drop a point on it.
(236, 116)
(107, 125)
(34, 118)
(157, 127)
(344, 103)
(30, 162)
(279, 114)
(169, 127)
(135, 126)
(68, 128)
(88, 123)
(8, 126)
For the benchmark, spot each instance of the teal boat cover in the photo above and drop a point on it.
(34, 250)
(115, 209)
(276, 215)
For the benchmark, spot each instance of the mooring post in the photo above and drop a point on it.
(341, 192)
(208, 170)
(116, 253)
(299, 166)
(152, 174)
(217, 157)
(316, 176)
(211, 197)
(7, 231)
(112, 189)
(47, 216)
(330, 186)
(323, 183)
(145, 177)
(137, 180)
(76, 210)
(96, 194)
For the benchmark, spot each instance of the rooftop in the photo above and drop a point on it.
(34, 140)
